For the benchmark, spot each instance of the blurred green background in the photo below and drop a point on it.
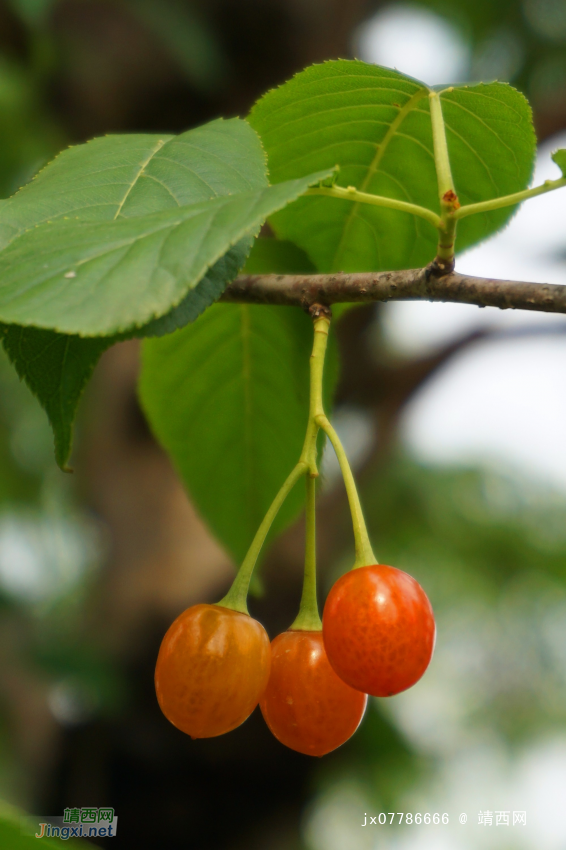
(94, 566)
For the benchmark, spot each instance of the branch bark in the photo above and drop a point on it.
(409, 284)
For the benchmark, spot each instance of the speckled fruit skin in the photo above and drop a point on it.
(212, 668)
(378, 629)
(306, 706)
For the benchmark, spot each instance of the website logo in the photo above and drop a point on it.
(86, 822)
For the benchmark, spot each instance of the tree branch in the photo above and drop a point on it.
(409, 284)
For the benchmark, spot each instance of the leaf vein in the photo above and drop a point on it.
(159, 145)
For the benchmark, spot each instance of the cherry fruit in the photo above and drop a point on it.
(378, 629)
(306, 705)
(212, 668)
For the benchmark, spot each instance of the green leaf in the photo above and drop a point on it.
(117, 177)
(165, 244)
(227, 397)
(56, 367)
(559, 157)
(95, 279)
(375, 124)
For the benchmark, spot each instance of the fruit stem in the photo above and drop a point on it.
(316, 407)
(308, 618)
(318, 419)
(364, 553)
(236, 598)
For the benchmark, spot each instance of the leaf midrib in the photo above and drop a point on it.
(143, 166)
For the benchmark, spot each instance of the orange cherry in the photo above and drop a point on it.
(212, 668)
(306, 706)
(378, 629)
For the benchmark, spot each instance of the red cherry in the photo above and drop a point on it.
(212, 668)
(306, 705)
(378, 629)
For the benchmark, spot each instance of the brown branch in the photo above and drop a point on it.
(411, 285)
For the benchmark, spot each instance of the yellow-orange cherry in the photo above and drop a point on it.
(212, 668)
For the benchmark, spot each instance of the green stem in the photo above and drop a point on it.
(364, 553)
(352, 194)
(236, 598)
(441, 158)
(320, 341)
(446, 239)
(509, 200)
(308, 618)
(446, 192)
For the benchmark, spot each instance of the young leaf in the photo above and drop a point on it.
(95, 279)
(227, 397)
(56, 368)
(375, 124)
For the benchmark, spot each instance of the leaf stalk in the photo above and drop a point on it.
(353, 194)
(441, 158)
(509, 200)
